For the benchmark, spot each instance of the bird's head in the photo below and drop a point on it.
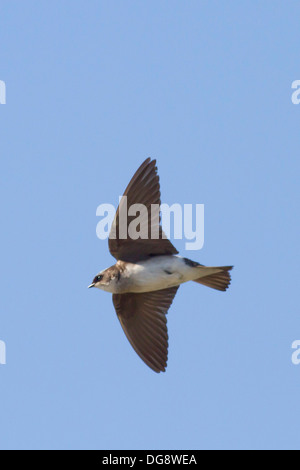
(106, 280)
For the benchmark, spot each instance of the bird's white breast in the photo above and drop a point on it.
(159, 272)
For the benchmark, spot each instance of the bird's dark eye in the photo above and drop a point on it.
(98, 278)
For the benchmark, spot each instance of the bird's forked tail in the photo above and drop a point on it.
(219, 281)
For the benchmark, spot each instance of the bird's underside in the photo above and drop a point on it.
(143, 314)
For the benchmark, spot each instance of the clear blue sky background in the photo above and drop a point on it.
(93, 88)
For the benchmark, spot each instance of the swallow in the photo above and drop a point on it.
(149, 271)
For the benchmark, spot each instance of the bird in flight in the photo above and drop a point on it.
(148, 271)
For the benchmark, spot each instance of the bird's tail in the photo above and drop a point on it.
(220, 280)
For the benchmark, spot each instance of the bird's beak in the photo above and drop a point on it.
(91, 285)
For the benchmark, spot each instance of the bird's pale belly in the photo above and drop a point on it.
(157, 273)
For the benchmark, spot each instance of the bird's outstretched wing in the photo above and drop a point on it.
(143, 319)
(143, 189)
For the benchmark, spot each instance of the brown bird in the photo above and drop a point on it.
(148, 272)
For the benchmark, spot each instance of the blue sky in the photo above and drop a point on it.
(93, 88)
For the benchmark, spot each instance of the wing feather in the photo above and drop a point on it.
(143, 319)
(143, 189)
